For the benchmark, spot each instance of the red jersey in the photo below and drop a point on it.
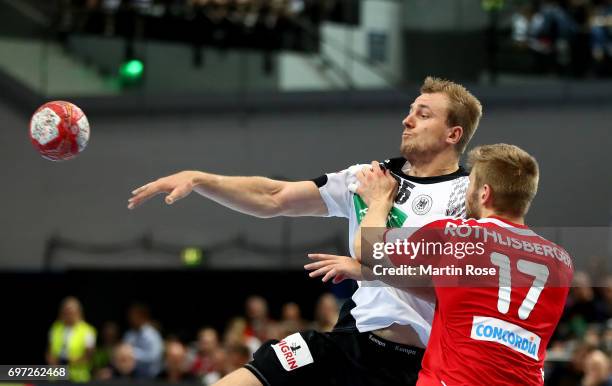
(497, 307)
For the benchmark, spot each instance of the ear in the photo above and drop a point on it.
(454, 135)
(486, 195)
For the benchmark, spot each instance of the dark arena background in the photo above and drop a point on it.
(288, 89)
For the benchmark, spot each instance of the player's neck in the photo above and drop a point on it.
(503, 216)
(432, 165)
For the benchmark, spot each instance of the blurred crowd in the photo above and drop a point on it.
(255, 24)
(144, 353)
(567, 37)
(216, 9)
(578, 354)
(580, 351)
(245, 12)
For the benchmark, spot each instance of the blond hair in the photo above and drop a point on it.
(511, 173)
(464, 109)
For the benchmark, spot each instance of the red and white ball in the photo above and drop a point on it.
(59, 130)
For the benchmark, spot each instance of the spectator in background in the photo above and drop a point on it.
(72, 341)
(104, 352)
(277, 331)
(569, 374)
(521, 22)
(237, 355)
(145, 340)
(292, 319)
(326, 313)
(601, 33)
(237, 333)
(256, 309)
(604, 304)
(201, 358)
(606, 339)
(219, 360)
(597, 370)
(123, 364)
(581, 309)
(553, 30)
(175, 363)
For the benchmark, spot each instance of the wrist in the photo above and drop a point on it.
(200, 178)
(376, 215)
(383, 205)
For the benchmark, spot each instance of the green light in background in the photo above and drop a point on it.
(492, 5)
(132, 70)
(191, 256)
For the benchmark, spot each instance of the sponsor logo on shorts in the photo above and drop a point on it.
(377, 341)
(508, 334)
(395, 347)
(293, 352)
(405, 350)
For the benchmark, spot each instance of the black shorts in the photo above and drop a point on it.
(313, 358)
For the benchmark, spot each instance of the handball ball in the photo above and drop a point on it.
(59, 130)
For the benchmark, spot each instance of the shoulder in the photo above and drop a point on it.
(396, 166)
(87, 327)
(340, 176)
(447, 221)
(429, 231)
(56, 326)
(149, 330)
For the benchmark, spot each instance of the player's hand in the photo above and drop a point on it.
(177, 186)
(333, 266)
(376, 184)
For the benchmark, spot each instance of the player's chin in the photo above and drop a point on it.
(406, 147)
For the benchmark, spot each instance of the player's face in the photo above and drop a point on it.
(472, 201)
(425, 127)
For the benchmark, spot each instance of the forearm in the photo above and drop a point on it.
(375, 221)
(256, 196)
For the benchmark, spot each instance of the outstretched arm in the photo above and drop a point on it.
(256, 196)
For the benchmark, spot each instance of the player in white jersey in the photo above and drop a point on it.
(382, 332)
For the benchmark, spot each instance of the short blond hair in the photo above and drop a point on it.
(464, 108)
(511, 173)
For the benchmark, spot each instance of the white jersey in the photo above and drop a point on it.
(420, 200)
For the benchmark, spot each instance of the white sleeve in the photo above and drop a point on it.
(337, 191)
(90, 340)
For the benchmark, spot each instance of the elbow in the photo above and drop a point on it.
(277, 205)
(274, 209)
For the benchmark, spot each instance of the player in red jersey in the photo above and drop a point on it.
(500, 288)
